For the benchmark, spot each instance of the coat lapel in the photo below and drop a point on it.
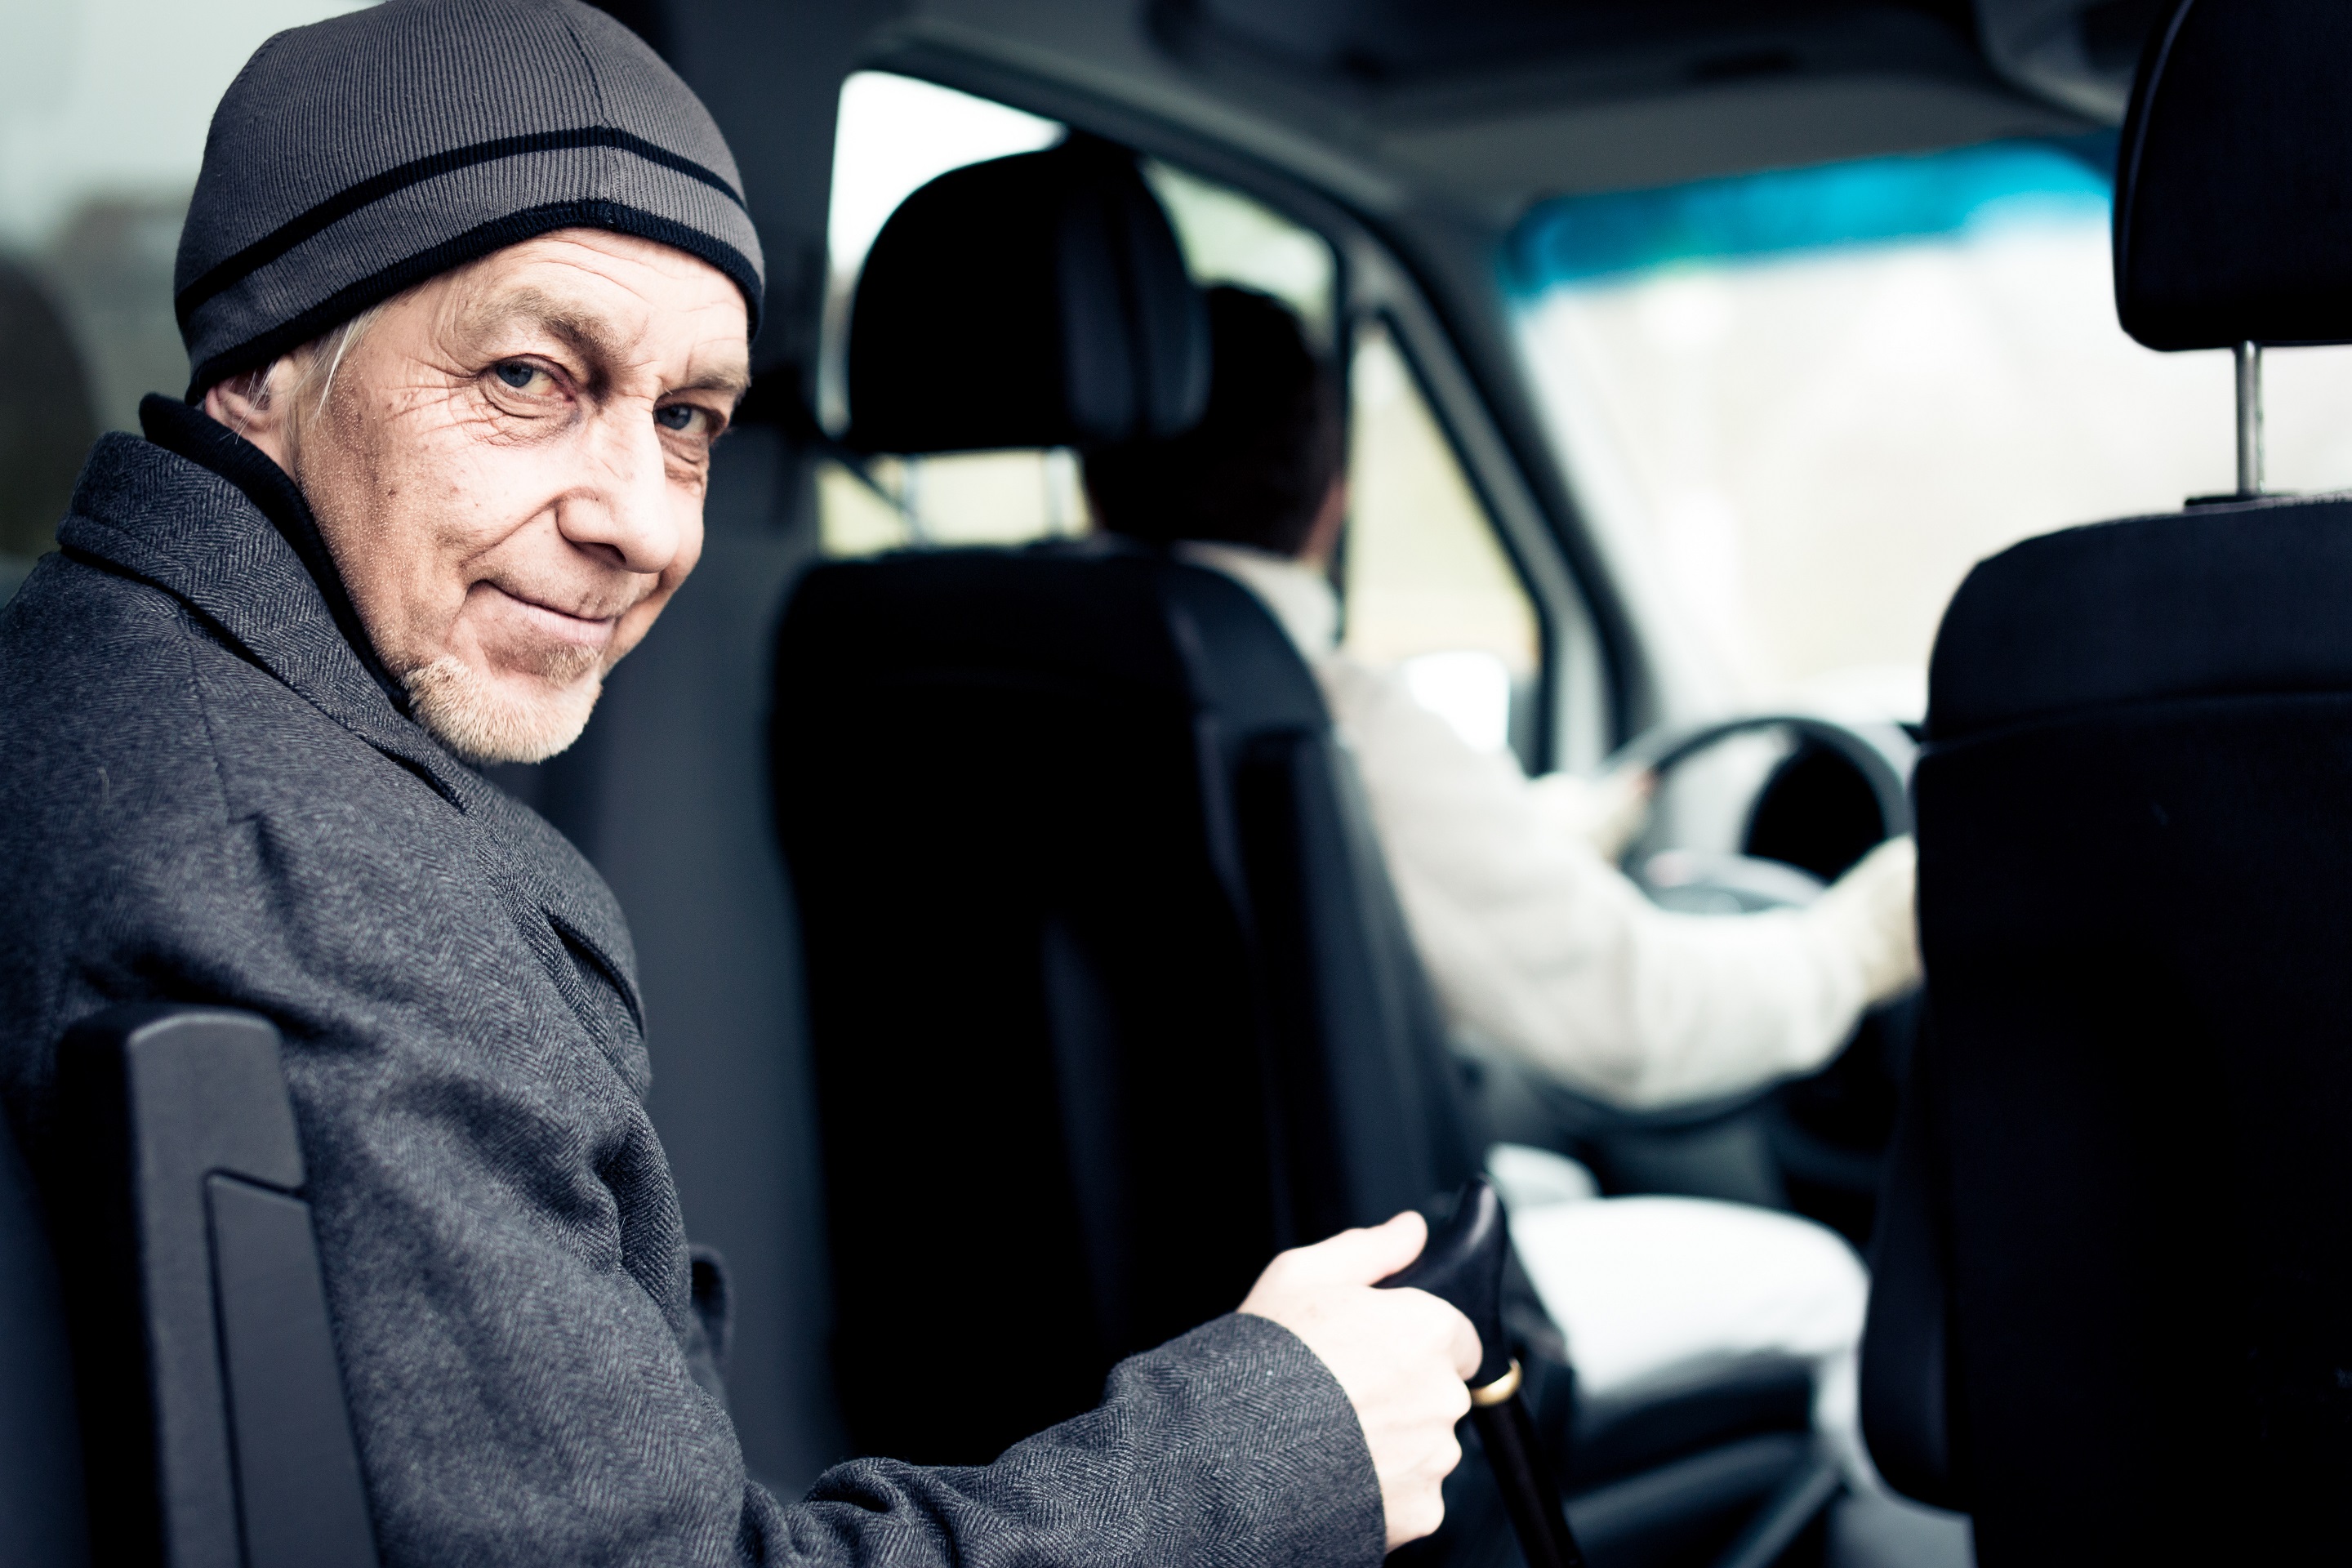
(173, 522)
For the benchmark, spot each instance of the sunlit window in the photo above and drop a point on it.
(1229, 239)
(895, 135)
(1808, 401)
(1427, 586)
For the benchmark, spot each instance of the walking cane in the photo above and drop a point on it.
(1463, 1264)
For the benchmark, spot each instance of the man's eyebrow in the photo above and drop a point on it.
(579, 328)
(585, 333)
(731, 381)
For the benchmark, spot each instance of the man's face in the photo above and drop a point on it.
(510, 467)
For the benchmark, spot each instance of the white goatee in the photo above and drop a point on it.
(484, 720)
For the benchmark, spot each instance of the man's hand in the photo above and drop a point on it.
(1869, 914)
(1401, 1356)
(1607, 813)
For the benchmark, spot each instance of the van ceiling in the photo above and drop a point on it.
(1487, 106)
(1403, 40)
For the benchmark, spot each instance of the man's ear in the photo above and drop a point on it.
(255, 405)
(1330, 521)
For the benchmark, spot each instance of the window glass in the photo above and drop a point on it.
(967, 497)
(1229, 239)
(894, 135)
(1427, 585)
(1807, 401)
(103, 109)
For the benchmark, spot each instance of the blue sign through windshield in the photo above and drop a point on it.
(1966, 190)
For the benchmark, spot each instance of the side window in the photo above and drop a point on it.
(103, 110)
(1427, 585)
(894, 134)
(1229, 239)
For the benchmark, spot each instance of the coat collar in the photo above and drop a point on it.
(1297, 595)
(206, 517)
(195, 436)
(195, 511)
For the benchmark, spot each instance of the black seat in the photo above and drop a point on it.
(1055, 820)
(1110, 996)
(213, 1428)
(2113, 1304)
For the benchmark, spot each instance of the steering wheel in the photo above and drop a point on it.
(1881, 753)
(1714, 882)
(1718, 882)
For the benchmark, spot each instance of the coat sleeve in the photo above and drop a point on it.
(1535, 941)
(510, 1277)
(1232, 1444)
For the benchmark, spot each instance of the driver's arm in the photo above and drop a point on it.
(1537, 942)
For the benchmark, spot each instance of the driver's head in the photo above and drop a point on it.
(478, 275)
(1261, 468)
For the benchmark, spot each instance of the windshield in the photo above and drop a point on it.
(1798, 406)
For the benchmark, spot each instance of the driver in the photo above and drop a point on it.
(1531, 936)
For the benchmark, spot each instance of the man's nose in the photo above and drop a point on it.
(625, 510)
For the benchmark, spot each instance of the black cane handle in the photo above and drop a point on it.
(1462, 1265)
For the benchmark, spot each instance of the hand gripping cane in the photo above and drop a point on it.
(1462, 1265)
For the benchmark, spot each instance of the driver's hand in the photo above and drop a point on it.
(1870, 912)
(1607, 813)
(1401, 1356)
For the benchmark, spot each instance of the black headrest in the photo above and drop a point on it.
(2233, 186)
(1036, 300)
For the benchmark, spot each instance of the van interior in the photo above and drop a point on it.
(1020, 969)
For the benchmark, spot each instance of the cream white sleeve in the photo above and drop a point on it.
(1535, 941)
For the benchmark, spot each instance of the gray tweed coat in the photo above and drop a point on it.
(209, 793)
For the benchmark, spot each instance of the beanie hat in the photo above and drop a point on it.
(358, 156)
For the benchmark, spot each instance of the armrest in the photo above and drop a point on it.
(214, 1422)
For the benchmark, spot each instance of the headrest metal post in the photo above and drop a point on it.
(2250, 418)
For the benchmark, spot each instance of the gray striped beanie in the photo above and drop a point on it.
(356, 157)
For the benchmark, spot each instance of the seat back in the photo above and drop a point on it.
(1107, 1000)
(2113, 1293)
(2126, 1143)
(215, 1432)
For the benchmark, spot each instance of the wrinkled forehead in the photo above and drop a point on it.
(624, 306)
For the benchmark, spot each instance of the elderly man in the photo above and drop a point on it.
(467, 286)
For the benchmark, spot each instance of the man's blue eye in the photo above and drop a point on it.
(676, 416)
(517, 375)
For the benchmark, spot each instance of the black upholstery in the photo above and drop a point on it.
(2233, 210)
(1065, 319)
(213, 1419)
(2125, 1148)
(1111, 1000)
(1040, 808)
(2112, 1299)
(1907, 1373)
(41, 1523)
